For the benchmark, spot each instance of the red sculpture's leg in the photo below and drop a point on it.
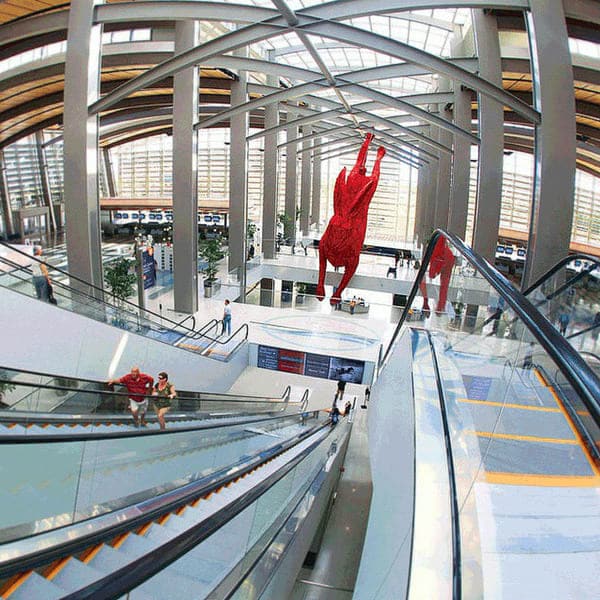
(349, 271)
(423, 288)
(320, 291)
(444, 284)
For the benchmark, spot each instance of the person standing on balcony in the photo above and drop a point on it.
(226, 318)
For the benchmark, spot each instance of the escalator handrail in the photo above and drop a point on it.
(76, 278)
(557, 267)
(231, 398)
(226, 397)
(53, 438)
(192, 317)
(454, 505)
(186, 334)
(574, 368)
(149, 510)
(243, 327)
(304, 400)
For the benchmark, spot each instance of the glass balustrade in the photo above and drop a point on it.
(522, 412)
(52, 484)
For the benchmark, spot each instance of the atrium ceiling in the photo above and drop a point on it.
(366, 66)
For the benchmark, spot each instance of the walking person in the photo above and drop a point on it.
(41, 278)
(226, 318)
(339, 394)
(164, 392)
(367, 397)
(563, 321)
(596, 328)
(138, 386)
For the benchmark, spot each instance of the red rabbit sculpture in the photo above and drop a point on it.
(343, 239)
(442, 261)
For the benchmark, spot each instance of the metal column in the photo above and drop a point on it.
(491, 133)
(5, 198)
(315, 209)
(269, 216)
(291, 181)
(238, 177)
(461, 149)
(443, 174)
(305, 182)
(185, 175)
(461, 164)
(110, 176)
(82, 76)
(43, 166)
(555, 143)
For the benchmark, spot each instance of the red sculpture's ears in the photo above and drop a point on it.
(380, 152)
(369, 137)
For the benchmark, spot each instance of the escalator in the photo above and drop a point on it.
(569, 296)
(74, 294)
(43, 404)
(507, 441)
(163, 542)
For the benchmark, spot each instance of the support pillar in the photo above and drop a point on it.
(185, 175)
(238, 177)
(305, 183)
(555, 143)
(110, 176)
(491, 133)
(291, 181)
(461, 164)
(5, 199)
(43, 167)
(82, 85)
(443, 175)
(461, 151)
(315, 210)
(269, 213)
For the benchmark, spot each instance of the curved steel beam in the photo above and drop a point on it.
(338, 31)
(335, 131)
(360, 90)
(346, 33)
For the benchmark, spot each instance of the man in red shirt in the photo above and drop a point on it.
(138, 385)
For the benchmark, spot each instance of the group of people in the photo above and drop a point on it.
(338, 398)
(139, 386)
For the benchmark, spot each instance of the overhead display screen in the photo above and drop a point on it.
(312, 365)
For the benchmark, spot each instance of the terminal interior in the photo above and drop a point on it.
(433, 434)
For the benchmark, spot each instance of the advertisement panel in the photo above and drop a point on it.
(148, 268)
(312, 365)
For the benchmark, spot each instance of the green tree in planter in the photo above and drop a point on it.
(212, 252)
(286, 222)
(119, 280)
(5, 386)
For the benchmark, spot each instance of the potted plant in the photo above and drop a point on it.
(120, 282)
(211, 251)
(5, 386)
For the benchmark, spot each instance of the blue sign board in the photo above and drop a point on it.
(148, 268)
